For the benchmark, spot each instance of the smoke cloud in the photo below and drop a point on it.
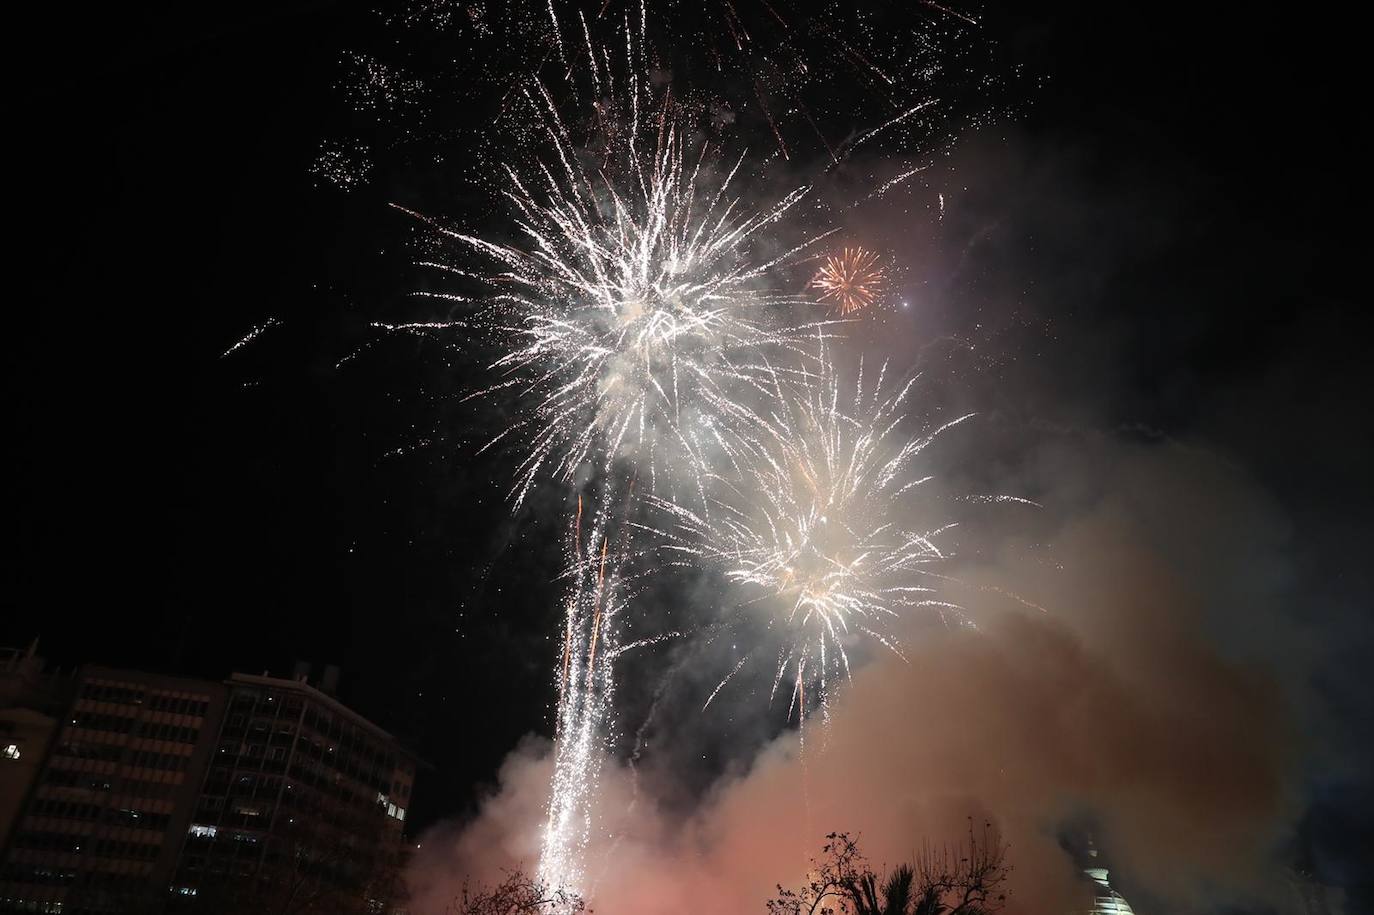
(1133, 701)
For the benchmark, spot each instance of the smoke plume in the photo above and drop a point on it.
(1123, 703)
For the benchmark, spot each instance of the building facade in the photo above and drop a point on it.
(31, 704)
(302, 810)
(118, 783)
(163, 794)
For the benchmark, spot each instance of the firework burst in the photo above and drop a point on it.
(814, 525)
(851, 280)
(633, 309)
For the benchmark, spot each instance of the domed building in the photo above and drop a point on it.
(1106, 901)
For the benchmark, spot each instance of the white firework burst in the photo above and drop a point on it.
(634, 306)
(814, 522)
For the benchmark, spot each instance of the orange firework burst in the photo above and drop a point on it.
(851, 280)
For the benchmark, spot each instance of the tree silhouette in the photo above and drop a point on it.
(965, 879)
(517, 894)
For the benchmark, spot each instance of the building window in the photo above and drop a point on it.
(202, 832)
(12, 751)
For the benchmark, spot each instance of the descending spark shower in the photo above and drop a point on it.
(649, 338)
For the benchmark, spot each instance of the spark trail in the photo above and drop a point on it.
(586, 691)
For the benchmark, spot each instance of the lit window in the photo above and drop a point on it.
(202, 832)
(12, 751)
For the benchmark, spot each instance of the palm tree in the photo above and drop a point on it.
(896, 895)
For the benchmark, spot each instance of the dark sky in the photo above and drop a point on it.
(183, 512)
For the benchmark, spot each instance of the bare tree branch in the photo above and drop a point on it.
(517, 894)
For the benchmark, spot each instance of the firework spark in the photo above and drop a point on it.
(632, 311)
(586, 687)
(851, 280)
(256, 331)
(814, 528)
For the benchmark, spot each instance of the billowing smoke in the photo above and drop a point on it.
(1134, 701)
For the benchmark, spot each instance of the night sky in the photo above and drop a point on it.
(1162, 244)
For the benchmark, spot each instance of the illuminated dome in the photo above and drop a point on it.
(1106, 901)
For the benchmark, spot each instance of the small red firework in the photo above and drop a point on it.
(850, 280)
